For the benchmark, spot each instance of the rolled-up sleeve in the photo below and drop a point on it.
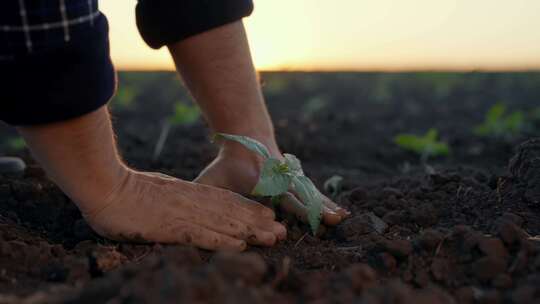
(162, 22)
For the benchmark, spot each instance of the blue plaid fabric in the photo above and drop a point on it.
(54, 54)
(32, 26)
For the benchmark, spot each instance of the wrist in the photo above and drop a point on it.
(236, 150)
(100, 187)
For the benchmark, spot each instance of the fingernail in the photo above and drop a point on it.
(243, 246)
(281, 231)
(343, 211)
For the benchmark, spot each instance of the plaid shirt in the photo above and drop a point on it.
(54, 54)
(33, 26)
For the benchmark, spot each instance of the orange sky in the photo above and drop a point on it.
(365, 35)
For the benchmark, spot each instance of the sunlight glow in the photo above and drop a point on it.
(365, 35)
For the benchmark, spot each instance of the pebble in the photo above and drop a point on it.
(361, 225)
(12, 166)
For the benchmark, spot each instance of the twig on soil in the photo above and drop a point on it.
(300, 240)
(166, 127)
(283, 272)
(500, 184)
(139, 258)
(439, 247)
(349, 248)
(465, 192)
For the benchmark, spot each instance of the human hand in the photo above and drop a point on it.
(153, 207)
(237, 169)
(80, 156)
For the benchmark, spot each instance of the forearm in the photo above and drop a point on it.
(218, 70)
(79, 155)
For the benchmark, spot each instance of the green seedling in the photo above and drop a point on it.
(498, 123)
(16, 143)
(184, 115)
(277, 177)
(426, 146)
(125, 96)
(535, 114)
(314, 106)
(334, 185)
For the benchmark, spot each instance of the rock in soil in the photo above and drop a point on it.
(359, 225)
(12, 166)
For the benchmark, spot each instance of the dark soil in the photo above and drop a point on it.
(462, 230)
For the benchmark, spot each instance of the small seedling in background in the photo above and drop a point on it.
(277, 177)
(314, 106)
(125, 96)
(498, 123)
(184, 115)
(16, 144)
(275, 85)
(535, 114)
(426, 146)
(334, 185)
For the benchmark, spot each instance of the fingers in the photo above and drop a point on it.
(274, 227)
(234, 215)
(291, 204)
(186, 233)
(336, 208)
(242, 206)
(333, 214)
(232, 205)
(257, 208)
(330, 217)
(219, 223)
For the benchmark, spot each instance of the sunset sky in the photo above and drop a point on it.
(365, 35)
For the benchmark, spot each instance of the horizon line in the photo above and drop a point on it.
(375, 70)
